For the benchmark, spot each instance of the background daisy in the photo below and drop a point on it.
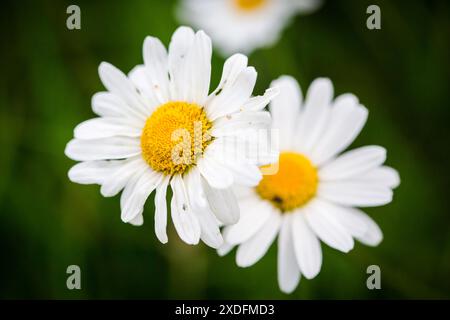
(159, 127)
(243, 25)
(316, 190)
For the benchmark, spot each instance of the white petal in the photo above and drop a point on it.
(190, 65)
(285, 108)
(243, 192)
(118, 179)
(138, 220)
(103, 149)
(232, 98)
(359, 225)
(92, 172)
(199, 62)
(223, 203)
(195, 189)
(321, 218)
(245, 174)
(129, 188)
(184, 220)
(161, 210)
(259, 102)
(107, 127)
(353, 223)
(256, 247)
(244, 170)
(156, 67)
(210, 232)
(385, 176)
(232, 67)
(136, 193)
(138, 76)
(306, 245)
(106, 104)
(347, 119)
(216, 174)
(116, 82)
(355, 194)
(373, 235)
(241, 121)
(353, 162)
(224, 249)
(179, 47)
(344, 100)
(288, 269)
(315, 114)
(254, 215)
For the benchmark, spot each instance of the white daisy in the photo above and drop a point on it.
(315, 192)
(243, 25)
(158, 127)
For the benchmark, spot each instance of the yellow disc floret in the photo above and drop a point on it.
(249, 5)
(293, 185)
(174, 136)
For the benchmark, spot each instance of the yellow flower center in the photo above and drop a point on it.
(293, 185)
(174, 136)
(249, 5)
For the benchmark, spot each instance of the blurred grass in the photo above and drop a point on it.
(401, 73)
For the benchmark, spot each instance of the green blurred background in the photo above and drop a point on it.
(49, 73)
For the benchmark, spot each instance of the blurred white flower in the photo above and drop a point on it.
(243, 25)
(316, 191)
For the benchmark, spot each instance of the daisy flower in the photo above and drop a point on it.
(158, 127)
(315, 193)
(243, 25)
